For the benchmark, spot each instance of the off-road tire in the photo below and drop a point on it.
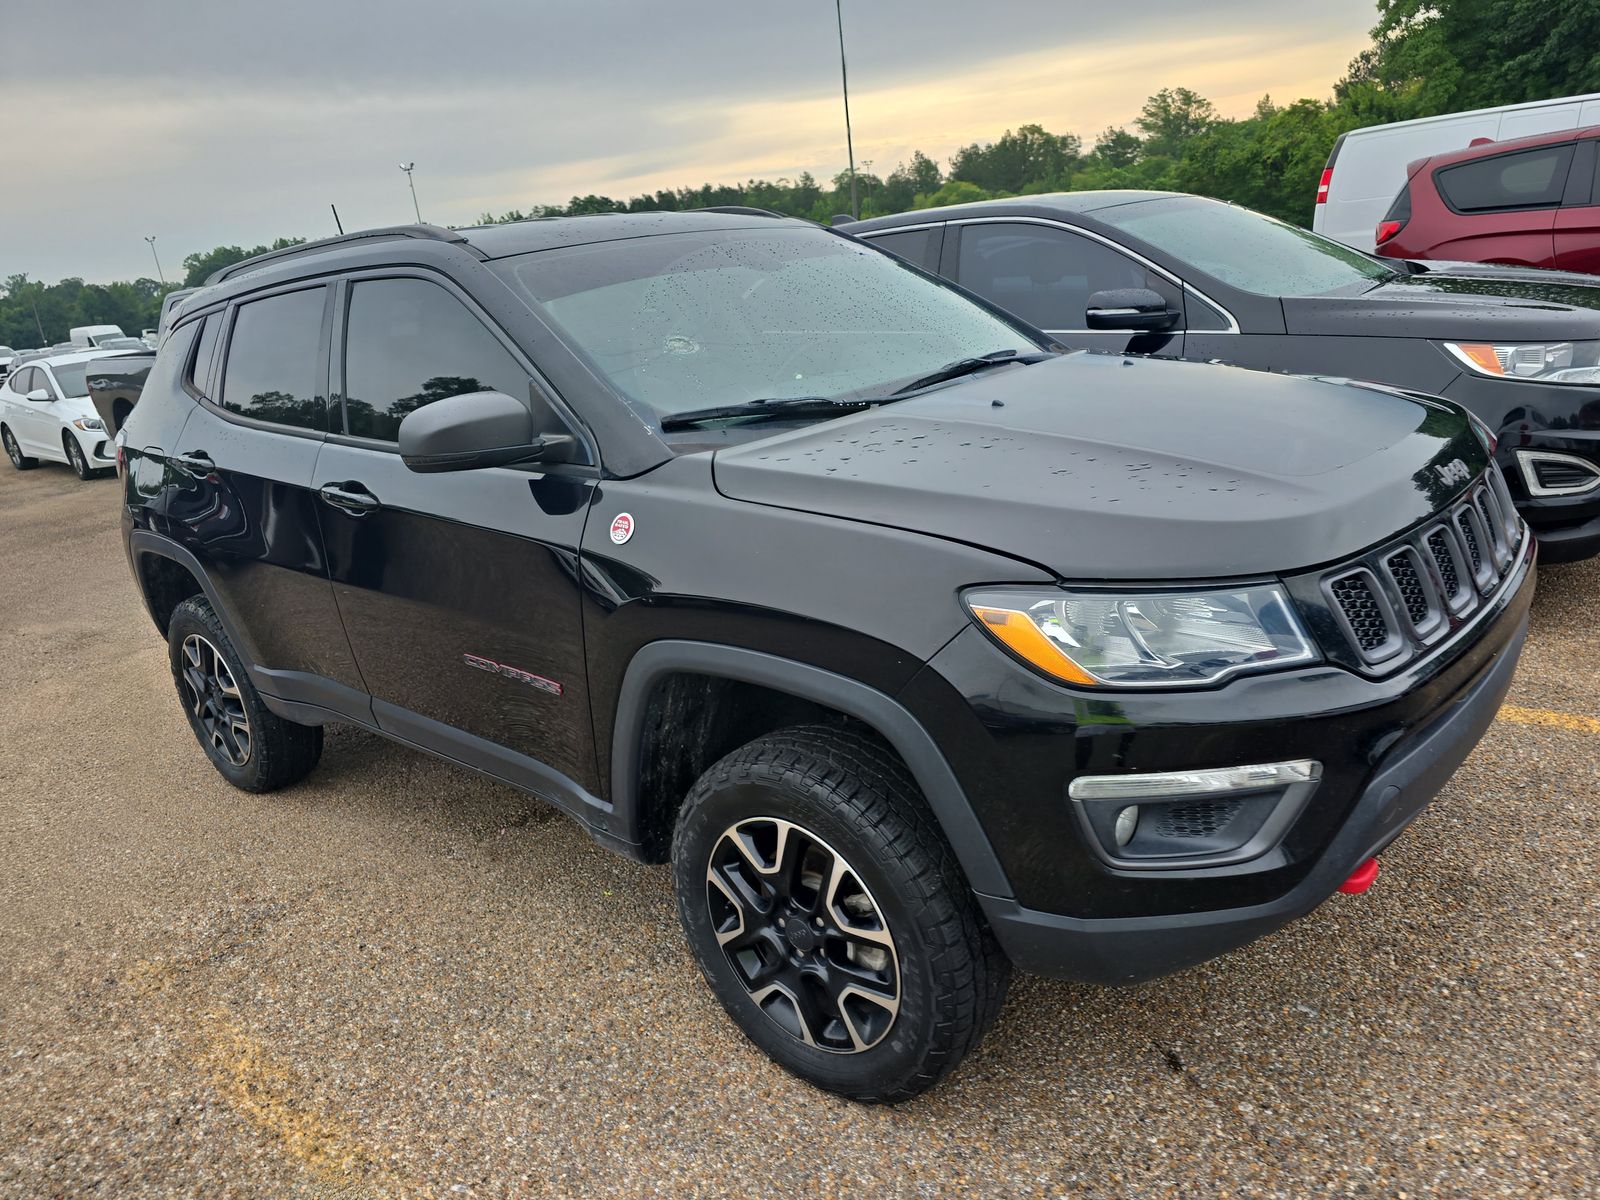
(847, 790)
(279, 752)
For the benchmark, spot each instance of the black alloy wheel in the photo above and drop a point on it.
(803, 934)
(215, 701)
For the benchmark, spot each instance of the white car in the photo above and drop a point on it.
(45, 413)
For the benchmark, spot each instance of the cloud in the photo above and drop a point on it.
(206, 124)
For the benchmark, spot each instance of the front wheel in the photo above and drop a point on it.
(19, 460)
(830, 917)
(251, 746)
(76, 458)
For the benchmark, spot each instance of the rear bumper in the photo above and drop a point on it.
(1131, 949)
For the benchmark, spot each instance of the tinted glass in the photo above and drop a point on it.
(1044, 275)
(200, 366)
(21, 381)
(71, 378)
(1247, 250)
(271, 374)
(408, 343)
(685, 320)
(1527, 179)
(917, 246)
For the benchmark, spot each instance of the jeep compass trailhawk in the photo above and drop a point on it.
(918, 648)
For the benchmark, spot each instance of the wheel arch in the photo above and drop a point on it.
(639, 813)
(168, 575)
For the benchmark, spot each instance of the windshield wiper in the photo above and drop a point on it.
(769, 409)
(969, 366)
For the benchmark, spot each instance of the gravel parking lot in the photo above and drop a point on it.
(399, 979)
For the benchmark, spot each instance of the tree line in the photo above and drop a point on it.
(1427, 57)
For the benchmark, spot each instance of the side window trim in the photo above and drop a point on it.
(225, 345)
(197, 378)
(540, 387)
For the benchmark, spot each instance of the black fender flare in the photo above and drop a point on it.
(881, 712)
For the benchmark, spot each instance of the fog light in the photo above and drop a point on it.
(1127, 822)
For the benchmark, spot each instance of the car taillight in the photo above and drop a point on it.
(1387, 230)
(1322, 187)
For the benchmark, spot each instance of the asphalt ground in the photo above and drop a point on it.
(399, 979)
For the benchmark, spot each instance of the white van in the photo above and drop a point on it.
(88, 337)
(1368, 166)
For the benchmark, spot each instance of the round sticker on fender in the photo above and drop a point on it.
(622, 528)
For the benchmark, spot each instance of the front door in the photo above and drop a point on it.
(459, 590)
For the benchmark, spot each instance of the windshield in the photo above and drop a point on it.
(1247, 250)
(71, 378)
(689, 320)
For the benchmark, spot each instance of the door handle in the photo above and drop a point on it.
(196, 462)
(352, 498)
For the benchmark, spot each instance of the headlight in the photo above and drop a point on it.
(1546, 362)
(88, 423)
(1144, 640)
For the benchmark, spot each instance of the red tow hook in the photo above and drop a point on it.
(1361, 878)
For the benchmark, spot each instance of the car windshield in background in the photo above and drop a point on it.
(72, 378)
(689, 320)
(1247, 250)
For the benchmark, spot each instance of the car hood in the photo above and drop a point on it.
(1459, 301)
(1102, 467)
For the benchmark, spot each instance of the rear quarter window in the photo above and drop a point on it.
(1507, 182)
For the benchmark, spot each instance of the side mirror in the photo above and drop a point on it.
(1130, 308)
(40, 394)
(479, 429)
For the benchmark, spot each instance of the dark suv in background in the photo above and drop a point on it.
(917, 648)
(1186, 277)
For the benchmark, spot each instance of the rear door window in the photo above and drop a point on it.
(274, 360)
(408, 343)
(1507, 182)
(1042, 274)
(919, 247)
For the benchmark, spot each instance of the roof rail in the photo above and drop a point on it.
(431, 233)
(741, 210)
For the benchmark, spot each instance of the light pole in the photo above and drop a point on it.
(406, 167)
(157, 257)
(844, 79)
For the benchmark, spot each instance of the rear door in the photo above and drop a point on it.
(1046, 274)
(1577, 227)
(28, 418)
(460, 590)
(243, 502)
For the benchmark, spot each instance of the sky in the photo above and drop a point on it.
(236, 121)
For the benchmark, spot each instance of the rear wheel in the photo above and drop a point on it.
(19, 460)
(76, 458)
(830, 917)
(252, 747)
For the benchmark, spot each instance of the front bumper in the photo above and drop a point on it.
(1131, 949)
(1386, 746)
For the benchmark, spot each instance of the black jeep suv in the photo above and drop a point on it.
(919, 649)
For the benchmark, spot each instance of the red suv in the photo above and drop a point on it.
(1533, 202)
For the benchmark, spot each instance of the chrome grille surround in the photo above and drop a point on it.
(1429, 583)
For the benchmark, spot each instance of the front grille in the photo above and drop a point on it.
(1393, 603)
(1444, 561)
(1413, 592)
(1199, 819)
(1464, 523)
(1362, 612)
